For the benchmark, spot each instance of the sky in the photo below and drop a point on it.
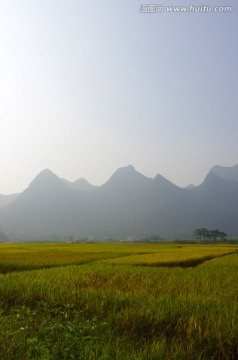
(87, 87)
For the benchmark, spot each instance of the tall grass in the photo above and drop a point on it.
(105, 310)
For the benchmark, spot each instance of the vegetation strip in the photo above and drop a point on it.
(10, 268)
(187, 262)
(112, 310)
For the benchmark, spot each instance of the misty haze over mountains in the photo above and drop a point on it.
(128, 205)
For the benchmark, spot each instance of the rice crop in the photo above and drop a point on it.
(104, 309)
(180, 256)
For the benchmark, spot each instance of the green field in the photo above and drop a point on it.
(118, 301)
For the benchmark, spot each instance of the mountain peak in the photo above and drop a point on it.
(45, 188)
(46, 182)
(160, 179)
(46, 173)
(46, 176)
(226, 173)
(129, 167)
(80, 184)
(126, 169)
(126, 176)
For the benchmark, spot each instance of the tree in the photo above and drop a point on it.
(223, 235)
(217, 234)
(200, 234)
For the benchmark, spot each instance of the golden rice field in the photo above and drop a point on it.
(118, 301)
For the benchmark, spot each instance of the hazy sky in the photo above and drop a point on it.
(87, 87)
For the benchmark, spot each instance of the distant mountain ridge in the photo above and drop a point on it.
(225, 172)
(80, 184)
(128, 204)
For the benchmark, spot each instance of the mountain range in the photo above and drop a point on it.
(128, 205)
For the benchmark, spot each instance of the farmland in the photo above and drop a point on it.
(118, 301)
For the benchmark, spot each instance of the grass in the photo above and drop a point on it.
(184, 256)
(108, 308)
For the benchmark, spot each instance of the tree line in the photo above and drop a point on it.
(205, 235)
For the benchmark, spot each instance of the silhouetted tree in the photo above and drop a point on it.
(217, 234)
(200, 234)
